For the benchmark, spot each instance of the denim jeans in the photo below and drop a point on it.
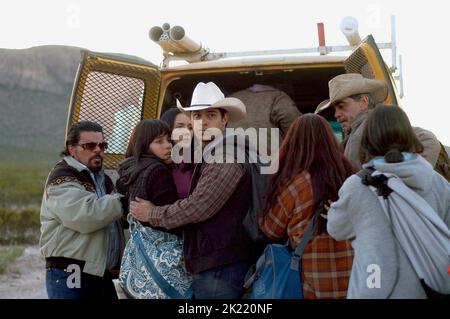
(223, 282)
(91, 287)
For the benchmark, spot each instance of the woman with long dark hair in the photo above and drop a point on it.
(312, 168)
(179, 122)
(145, 173)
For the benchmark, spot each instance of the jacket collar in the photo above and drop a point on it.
(358, 121)
(75, 164)
(98, 177)
(80, 166)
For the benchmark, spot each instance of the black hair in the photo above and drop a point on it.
(222, 112)
(73, 136)
(169, 117)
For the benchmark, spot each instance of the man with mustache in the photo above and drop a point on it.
(353, 97)
(81, 235)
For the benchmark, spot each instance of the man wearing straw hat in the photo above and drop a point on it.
(352, 97)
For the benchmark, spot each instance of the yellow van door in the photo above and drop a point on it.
(116, 92)
(366, 59)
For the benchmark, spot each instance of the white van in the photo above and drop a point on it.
(117, 91)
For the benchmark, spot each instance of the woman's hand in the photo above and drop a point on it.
(326, 208)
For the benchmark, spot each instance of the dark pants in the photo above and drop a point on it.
(224, 282)
(91, 287)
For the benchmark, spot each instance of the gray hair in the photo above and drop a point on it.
(358, 97)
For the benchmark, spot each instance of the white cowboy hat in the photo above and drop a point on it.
(346, 85)
(209, 96)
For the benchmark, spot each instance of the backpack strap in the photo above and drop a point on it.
(296, 258)
(255, 271)
(443, 163)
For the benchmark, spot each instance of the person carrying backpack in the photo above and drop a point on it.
(312, 168)
(395, 255)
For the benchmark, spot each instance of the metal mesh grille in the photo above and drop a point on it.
(358, 63)
(117, 95)
(115, 102)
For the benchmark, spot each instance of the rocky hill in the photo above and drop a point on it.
(35, 88)
(44, 68)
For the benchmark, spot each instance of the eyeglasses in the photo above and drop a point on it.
(90, 146)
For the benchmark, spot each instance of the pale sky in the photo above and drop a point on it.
(245, 25)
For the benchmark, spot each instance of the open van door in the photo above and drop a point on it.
(116, 92)
(366, 59)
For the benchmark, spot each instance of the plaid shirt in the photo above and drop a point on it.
(326, 263)
(215, 186)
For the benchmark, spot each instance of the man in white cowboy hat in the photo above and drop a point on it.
(352, 97)
(212, 111)
(217, 250)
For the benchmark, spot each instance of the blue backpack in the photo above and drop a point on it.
(277, 273)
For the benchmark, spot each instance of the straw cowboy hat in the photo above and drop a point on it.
(346, 85)
(209, 96)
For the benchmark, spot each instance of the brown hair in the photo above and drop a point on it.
(143, 135)
(310, 146)
(169, 117)
(132, 141)
(387, 133)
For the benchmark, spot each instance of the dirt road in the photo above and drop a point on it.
(25, 277)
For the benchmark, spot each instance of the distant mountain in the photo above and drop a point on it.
(35, 88)
(44, 68)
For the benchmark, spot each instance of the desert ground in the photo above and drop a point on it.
(25, 277)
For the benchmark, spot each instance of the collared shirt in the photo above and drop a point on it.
(99, 181)
(326, 263)
(215, 186)
(359, 120)
(352, 142)
(98, 178)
